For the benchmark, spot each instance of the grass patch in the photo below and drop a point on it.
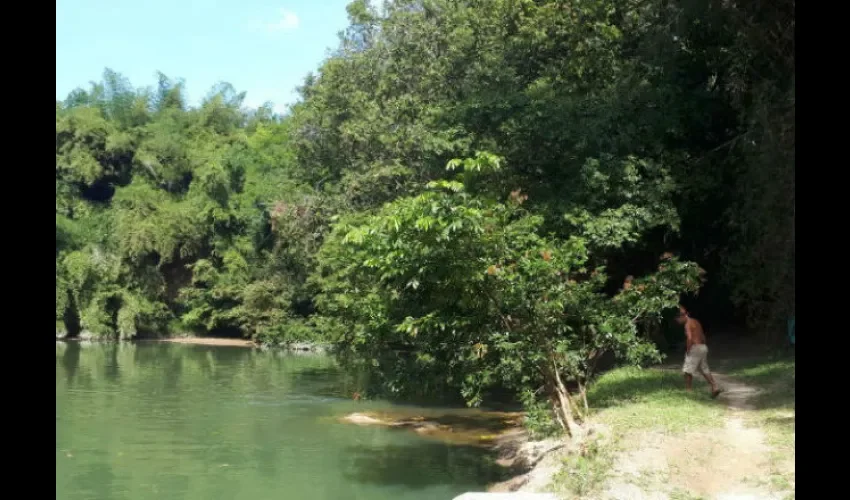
(779, 427)
(766, 373)
(684, 495)
(585, 472)
(631, 399)
(776, 481)
(775, 414)
(774, 411)
(775, 407)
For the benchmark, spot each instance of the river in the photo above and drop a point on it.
(167, 421)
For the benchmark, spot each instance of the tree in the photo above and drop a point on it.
(640, 127)
(447, 290)
(165, 215)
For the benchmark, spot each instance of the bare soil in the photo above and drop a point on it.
(734, 461)
(727, 463)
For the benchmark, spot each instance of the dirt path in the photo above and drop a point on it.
(736, 395)
(730, 462)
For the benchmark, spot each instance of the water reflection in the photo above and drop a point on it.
(433, 462)
(70, 359)
(157, 420)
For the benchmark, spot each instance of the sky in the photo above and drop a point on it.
(262, 47)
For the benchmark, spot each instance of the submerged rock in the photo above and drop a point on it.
(361, 419)
(501, 432)
(486, 429)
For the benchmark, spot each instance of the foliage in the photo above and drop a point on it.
(703, 88)
(538, 419)
(623, 130)
(167, 215)
(448, 290)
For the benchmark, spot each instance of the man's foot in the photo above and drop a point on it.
(716, 392)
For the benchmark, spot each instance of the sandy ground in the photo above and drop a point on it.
(207, 341)
(718, 464)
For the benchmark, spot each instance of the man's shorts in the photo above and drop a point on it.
(697, 360)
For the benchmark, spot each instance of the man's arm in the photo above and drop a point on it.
(689, 337)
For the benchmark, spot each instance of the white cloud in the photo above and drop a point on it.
(287, 21)
(279, 99)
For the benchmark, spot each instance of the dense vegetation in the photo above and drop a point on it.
(605, 148)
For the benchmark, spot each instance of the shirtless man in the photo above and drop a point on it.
(696, 354)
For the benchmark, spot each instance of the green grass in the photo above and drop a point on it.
(629, 399)
(775, 407)
(774, 413)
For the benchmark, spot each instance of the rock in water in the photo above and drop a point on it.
(361, 419)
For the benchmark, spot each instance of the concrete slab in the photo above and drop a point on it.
(515, 495)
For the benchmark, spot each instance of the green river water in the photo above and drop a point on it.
(169, 421)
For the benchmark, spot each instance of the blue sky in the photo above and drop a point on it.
(263, 47)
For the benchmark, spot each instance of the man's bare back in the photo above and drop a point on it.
(694, 333)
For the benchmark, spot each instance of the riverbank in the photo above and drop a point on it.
(527, 464)
(205, 341)
(649, 439)
(305, 347)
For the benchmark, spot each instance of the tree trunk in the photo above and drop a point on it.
(583, 392)
(566, 411)
(557, 413)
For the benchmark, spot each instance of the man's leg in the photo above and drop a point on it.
(688, 369)
(706, 372)
(710, 380)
